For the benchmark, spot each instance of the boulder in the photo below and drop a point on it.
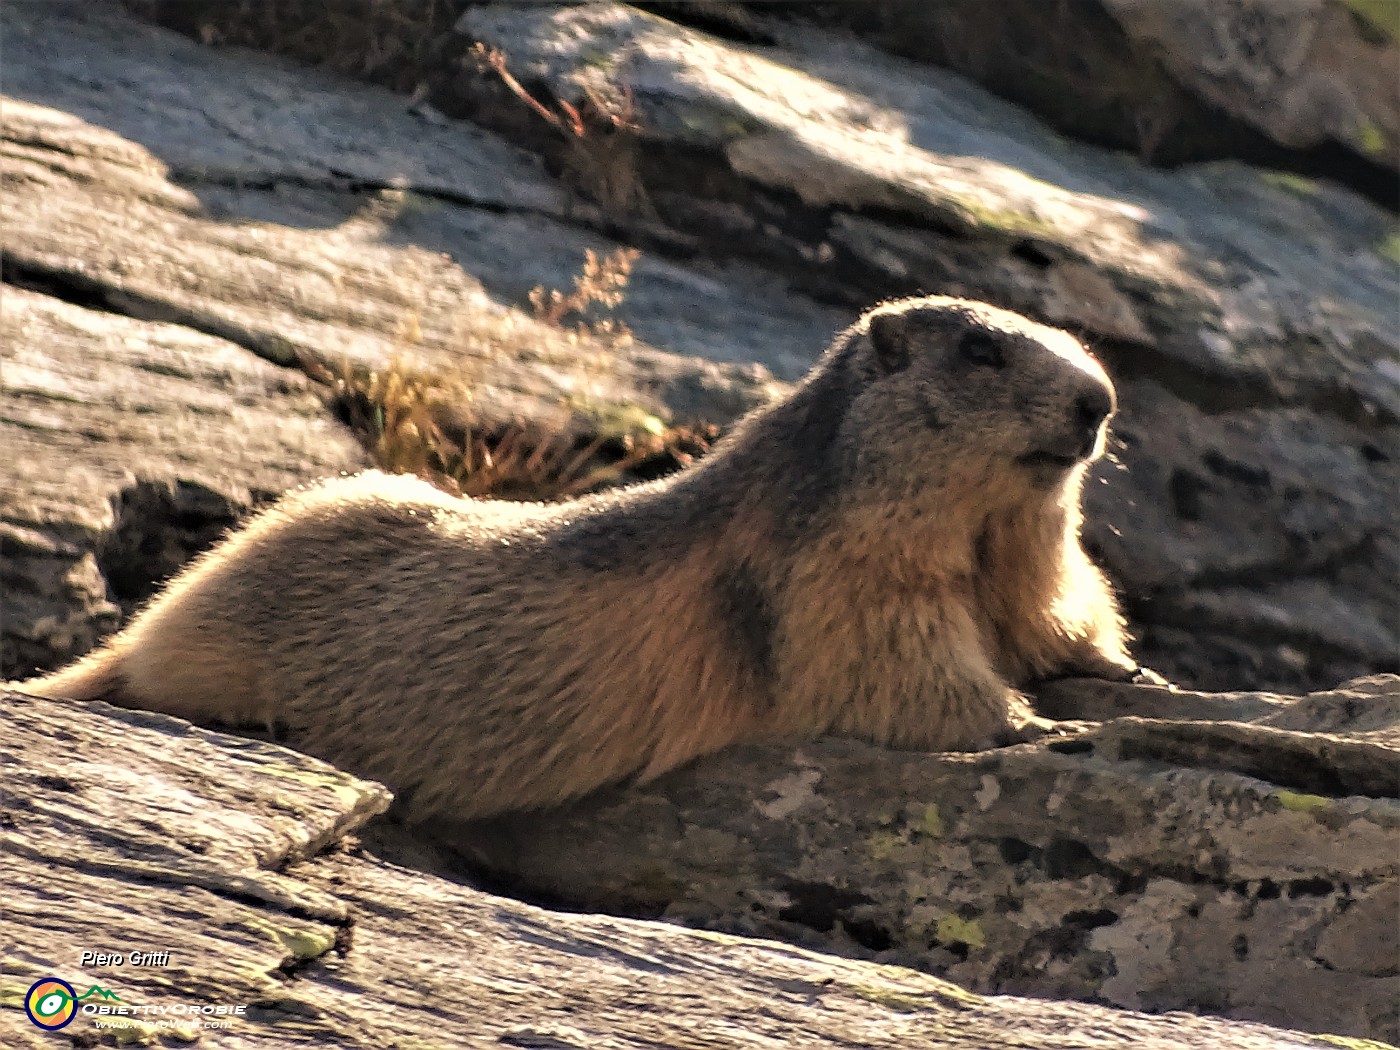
(130, 446)
(1305, 73)
(229, 869)
(1232, 854)
(1304, 84)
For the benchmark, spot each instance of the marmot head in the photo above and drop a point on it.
(958, 395)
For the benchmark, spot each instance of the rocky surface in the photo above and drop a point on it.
(129, 446)
(123, 832)
(1234, 854)
(1305, 73)
(1192, 271)
(187, 227)
(230, 856)
(1305, 84)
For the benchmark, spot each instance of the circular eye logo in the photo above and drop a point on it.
(51, 1003)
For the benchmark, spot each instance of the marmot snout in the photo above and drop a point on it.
(891, 551)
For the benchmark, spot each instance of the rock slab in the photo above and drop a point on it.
(1235, 854)
(124, 832)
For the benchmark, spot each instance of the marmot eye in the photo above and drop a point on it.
(981, 348)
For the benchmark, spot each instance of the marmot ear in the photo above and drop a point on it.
(887, 339)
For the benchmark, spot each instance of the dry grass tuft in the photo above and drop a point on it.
(602, 148)
(605, 107)
(421, 421)
(415, 421)
(603, 281)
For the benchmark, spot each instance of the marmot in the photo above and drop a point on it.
(889, 552)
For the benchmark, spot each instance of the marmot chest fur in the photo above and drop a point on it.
(888, 552)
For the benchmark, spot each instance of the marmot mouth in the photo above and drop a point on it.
(1045, 458)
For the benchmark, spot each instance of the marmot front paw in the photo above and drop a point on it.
(1036, 728)
(1147, 676)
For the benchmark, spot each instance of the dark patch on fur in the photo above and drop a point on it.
(889, 341)
(982, 552)
(784, 459)
(633, 531)
(809, 468)
(118, 691)
(746, 609)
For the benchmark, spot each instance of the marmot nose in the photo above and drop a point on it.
(1091, 408)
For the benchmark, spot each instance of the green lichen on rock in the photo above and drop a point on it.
(938, 993)
(1383, 15)
(932, 822)
(955, 930)
(1389, 248)
(300, 943)
(620, 420)
(900, 1002)
(1300, 803)
(1299, 185)
(883, 844)
(717, 122)
(1371, 140)
(1354, 1044)
(985, 218)
(354, 795)
(305, 944)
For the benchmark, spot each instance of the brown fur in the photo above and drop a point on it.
(889, 552)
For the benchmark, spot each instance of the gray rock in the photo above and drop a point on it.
(124, 832)
(1306, 72)
(376, 233)
(1302, 83)
(291, 274)
(1251, 545)
(129, 446)
(1208, 262)
(1231, 854)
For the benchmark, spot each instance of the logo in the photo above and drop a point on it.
(52, 1004)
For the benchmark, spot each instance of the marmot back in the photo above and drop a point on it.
(891, 551)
